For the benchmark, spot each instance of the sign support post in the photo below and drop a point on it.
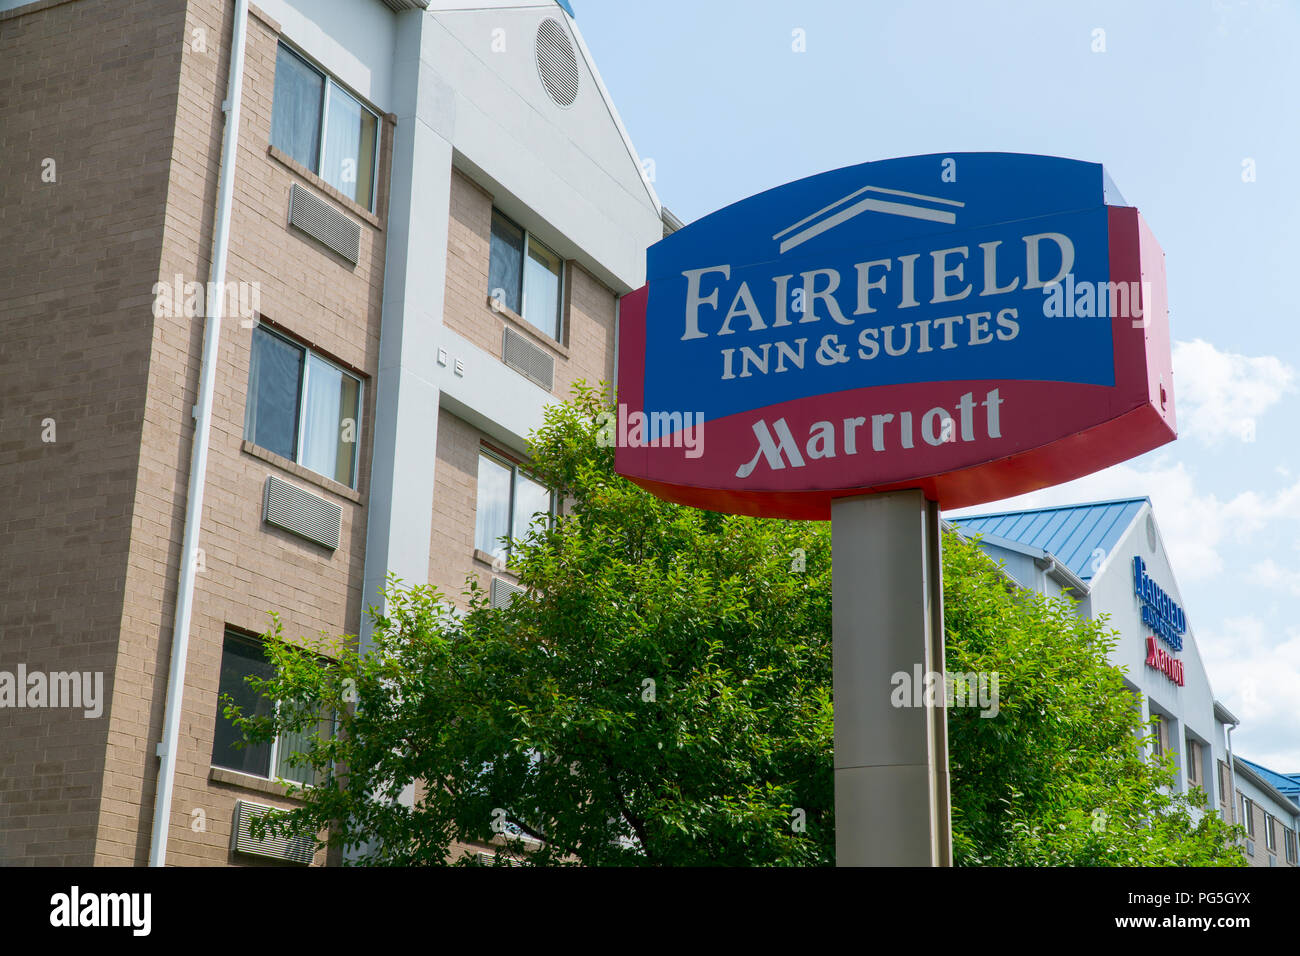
(891, 762)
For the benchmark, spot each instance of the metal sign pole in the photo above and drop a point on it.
(891, 742)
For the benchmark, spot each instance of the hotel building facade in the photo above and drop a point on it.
(427, 215)
(1110, 557)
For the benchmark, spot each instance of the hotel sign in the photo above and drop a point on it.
(1165, 618)
(977, 325)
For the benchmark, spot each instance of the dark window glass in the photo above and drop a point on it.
(274, 384)
(239, 659)
(506, 265)
(296, 108)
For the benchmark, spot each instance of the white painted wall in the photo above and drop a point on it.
(567, 173)
(351, 39)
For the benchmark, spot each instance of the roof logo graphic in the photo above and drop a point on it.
(828, 217)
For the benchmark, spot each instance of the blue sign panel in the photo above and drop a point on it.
(921, 269)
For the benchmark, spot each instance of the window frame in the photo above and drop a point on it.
(329, 82)
(300, 425)
(1248, 814)
(561, 288)
(273, 754)
(1158, 747)
(515, 468)
(1270, 839)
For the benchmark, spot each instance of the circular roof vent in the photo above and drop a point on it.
(557, 64)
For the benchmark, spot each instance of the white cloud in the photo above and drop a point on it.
(1255, 670)
(1269, 573)
(1221, 395)
(1194, 525)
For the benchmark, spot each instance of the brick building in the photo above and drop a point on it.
(434, 209)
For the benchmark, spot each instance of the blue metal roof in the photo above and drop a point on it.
(1286, 783)
(1070, 533)
(567, 7)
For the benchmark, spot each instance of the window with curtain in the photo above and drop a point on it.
(324, 127)
(303, 407)
(506, 262)
(525, 276)
(241, 658)
(508, 503)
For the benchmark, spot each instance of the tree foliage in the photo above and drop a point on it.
(660, 695)
(1058, 777)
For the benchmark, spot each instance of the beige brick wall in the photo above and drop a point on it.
(251, 569)
(92, 87)
(587, 352)
(90, 533)
(587, 347)
(451, 554)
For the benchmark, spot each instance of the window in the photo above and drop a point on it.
(1193, 760)
(1270, 840)
(242, 657)
(1224, 789)
(1288, 838)
(323, 127)
(508, 500)
(303, 407)
(525, 276)
(1158, 736)
(1247, 814)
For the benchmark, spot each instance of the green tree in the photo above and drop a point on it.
(660, 695)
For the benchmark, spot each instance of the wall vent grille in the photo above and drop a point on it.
(295, 849)
(318, 219)
(306, 515)
(503, 592)
(556, 62)
(531, 361)
(488, 859)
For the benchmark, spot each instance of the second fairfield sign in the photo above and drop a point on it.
(975, 325)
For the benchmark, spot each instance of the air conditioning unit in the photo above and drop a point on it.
(306, 515)
(503, 592)
(314, 216)
(531, 361)
(291, 849)
(487, 859)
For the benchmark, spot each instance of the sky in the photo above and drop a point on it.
(1192, 108)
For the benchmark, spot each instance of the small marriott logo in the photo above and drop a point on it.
(75, 909)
